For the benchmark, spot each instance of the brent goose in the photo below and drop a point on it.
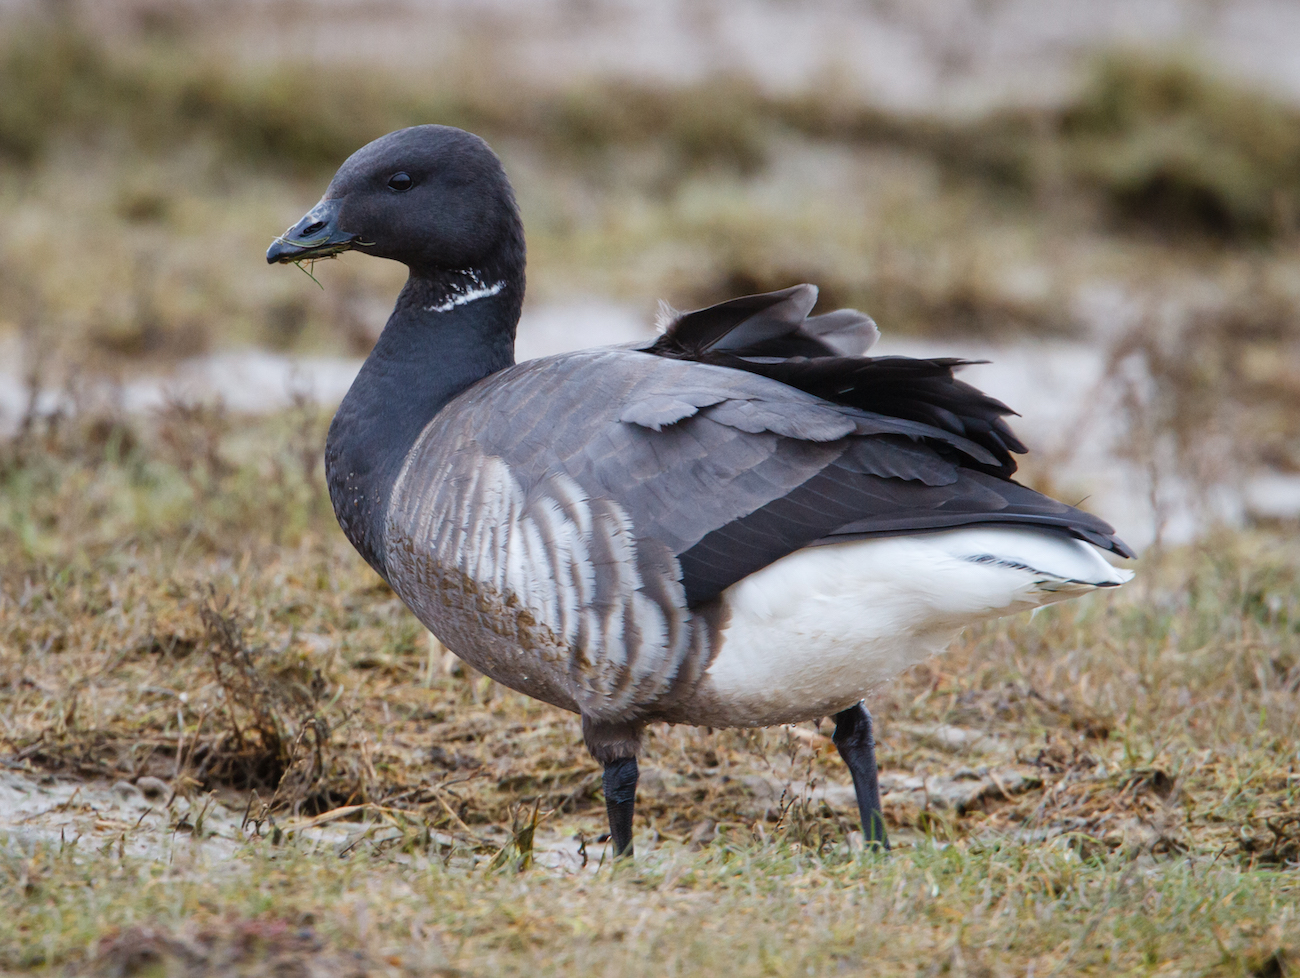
(743, 522)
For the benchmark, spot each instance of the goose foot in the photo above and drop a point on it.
(857, 746)
(616, 745)
(620, 801)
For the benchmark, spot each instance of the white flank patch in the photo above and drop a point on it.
(473, 289)
(816, 630)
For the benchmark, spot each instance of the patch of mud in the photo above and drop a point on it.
(146, 820)
(136, 819)
(959, 790)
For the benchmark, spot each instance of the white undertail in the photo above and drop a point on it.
(813, 632)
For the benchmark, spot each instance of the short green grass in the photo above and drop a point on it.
(993, 908)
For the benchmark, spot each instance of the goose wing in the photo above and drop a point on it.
(771, 324)
(729, 470)
(587, 506)
(745, 468)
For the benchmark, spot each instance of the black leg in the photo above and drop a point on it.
(858, 748)
(620, 801)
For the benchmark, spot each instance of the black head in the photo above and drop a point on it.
(432, 197)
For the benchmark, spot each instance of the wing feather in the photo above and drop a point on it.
(636, 486)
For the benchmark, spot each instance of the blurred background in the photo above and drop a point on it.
(1101, 198)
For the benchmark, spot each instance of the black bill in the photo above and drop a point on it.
(317, 235)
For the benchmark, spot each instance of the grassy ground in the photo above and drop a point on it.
(1154, 213)
(142, 181)
(1142, 748)
(1107, 787)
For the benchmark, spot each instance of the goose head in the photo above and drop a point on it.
(434, 198)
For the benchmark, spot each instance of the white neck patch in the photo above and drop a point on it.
(471, 289)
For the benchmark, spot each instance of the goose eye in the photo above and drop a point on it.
(400, 182)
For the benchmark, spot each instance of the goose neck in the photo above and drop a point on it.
(446, 333)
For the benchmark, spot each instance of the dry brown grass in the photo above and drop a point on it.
(200, 621)
(142, 180)
(1107, 787)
